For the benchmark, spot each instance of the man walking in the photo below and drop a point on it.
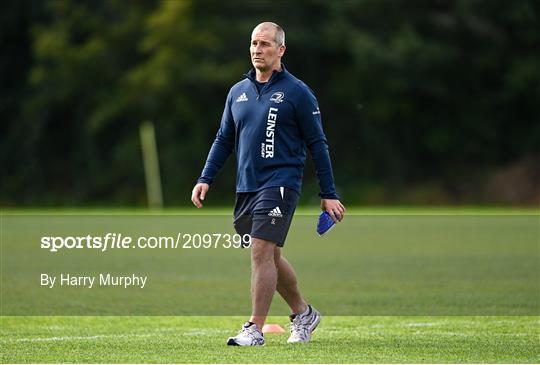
(270, 119)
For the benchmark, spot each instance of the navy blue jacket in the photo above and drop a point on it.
(269, 132)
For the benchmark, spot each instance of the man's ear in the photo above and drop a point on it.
(282, 50)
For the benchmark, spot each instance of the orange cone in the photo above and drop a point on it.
(272, 328)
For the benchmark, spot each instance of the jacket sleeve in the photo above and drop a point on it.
(310, 124)
(222, 147)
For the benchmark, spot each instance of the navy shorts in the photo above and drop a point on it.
(266, 214)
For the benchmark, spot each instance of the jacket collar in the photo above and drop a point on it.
(276, 75)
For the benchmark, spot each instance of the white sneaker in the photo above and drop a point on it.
(249, 335)
(303, 325)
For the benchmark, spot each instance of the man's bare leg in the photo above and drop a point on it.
(287, 285)
(263, 279)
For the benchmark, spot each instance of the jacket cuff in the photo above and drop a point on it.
(204, 180)
(329, 196)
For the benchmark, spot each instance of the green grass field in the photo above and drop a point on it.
(394, 286)
(202, 340)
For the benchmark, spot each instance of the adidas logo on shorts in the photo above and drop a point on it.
(276, 212)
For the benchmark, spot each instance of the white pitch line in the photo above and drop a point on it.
(423, 324)
(75, 338)
(205, 332)
(194, 332)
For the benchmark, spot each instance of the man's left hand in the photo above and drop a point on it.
(334, 208)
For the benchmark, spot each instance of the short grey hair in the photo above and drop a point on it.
(279, 37)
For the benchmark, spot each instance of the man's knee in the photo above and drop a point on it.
(262, 251)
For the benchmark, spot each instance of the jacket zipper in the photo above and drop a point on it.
(262, 90)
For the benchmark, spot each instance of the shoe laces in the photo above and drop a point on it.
(298, 326)
(251, 330)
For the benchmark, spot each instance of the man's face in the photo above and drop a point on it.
(265, 53)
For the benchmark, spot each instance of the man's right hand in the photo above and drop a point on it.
(198, 194)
